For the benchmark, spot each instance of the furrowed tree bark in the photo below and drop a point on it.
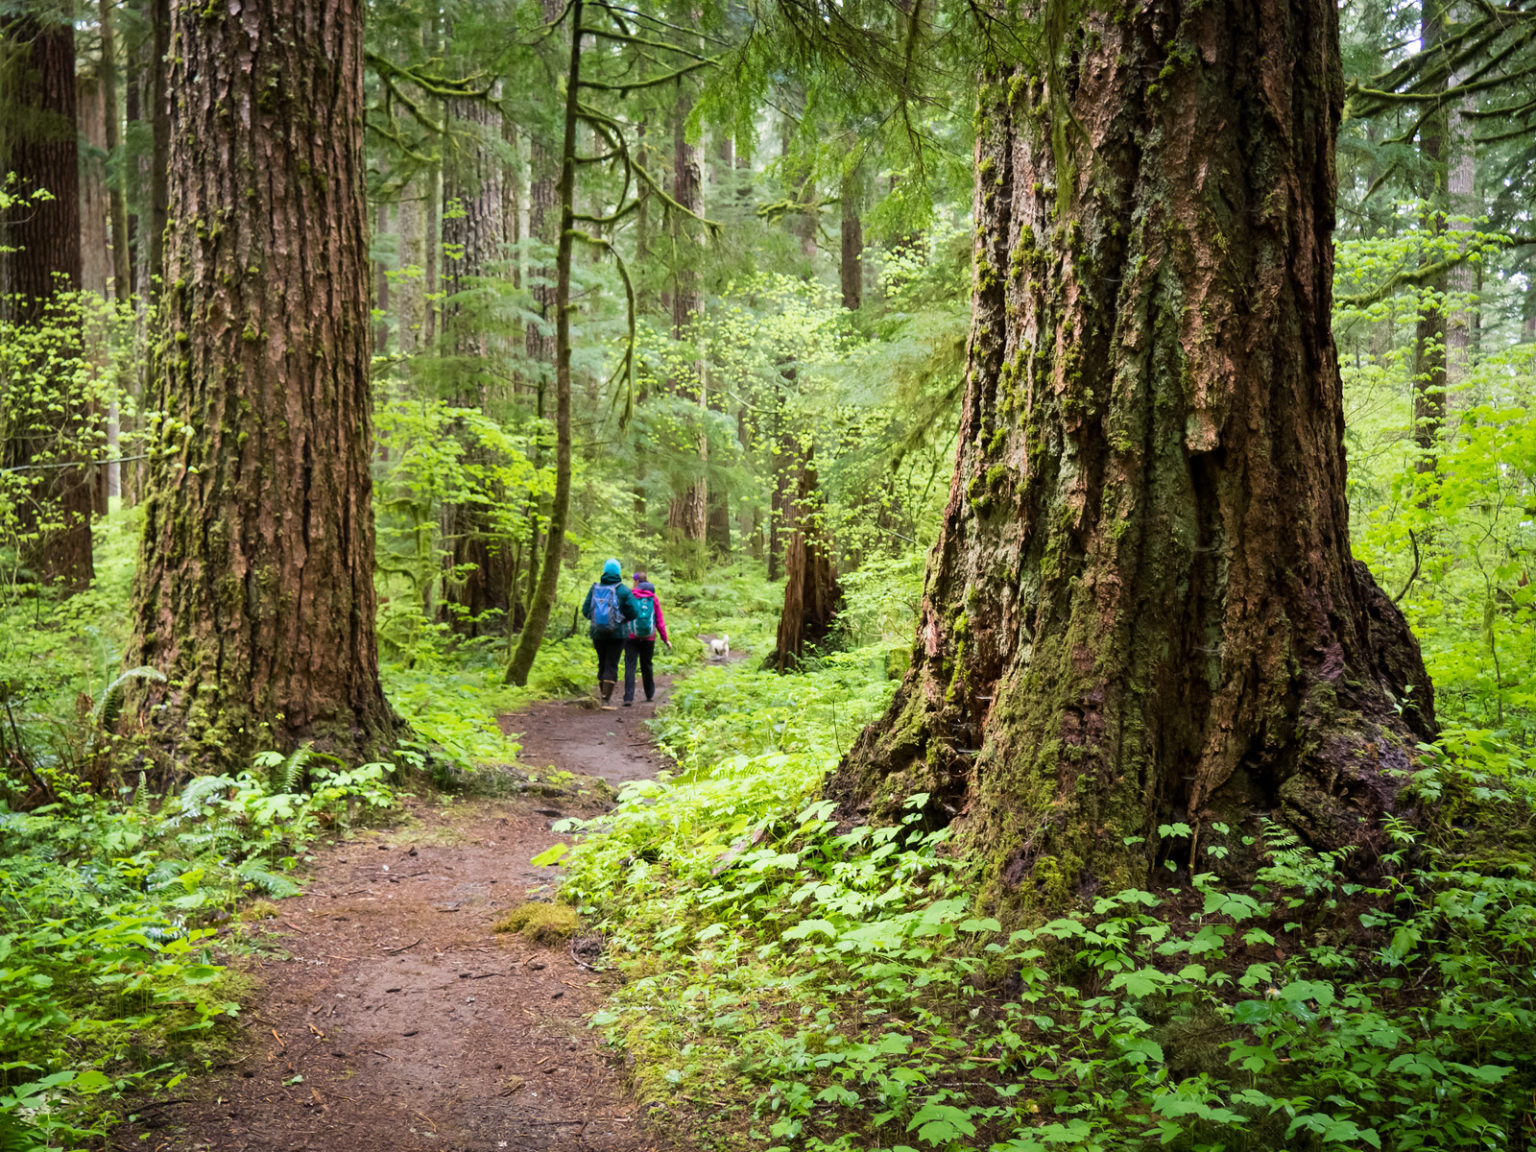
(48, 426)
(1142, 606)
(543, 599)
(255, 592)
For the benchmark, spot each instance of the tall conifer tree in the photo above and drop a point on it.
(255, 595)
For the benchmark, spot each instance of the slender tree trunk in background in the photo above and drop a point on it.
(851, 266)
(255, 594)
(786, 452)
(543, 601)
(137, 67)
(381, 290)
(160, 152)
(1142, 607)
(645, 257)
(45, 421)
(474, 239)
(122, 253)
(812, 598)
(543, 218)
(121, 276)
(132, 112)
(95, 250)
(1429, 343)
(1465, 207)
(688, 515)
(410, 294)
(717, 530)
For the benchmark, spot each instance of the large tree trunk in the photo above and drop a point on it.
(46, 422)
(812, 598)
(255, 595)
(474, 236)
(1142, 606)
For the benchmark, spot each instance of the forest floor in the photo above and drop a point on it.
(389, 1016)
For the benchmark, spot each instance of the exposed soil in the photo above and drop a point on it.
(391, 1017)
(578, 736)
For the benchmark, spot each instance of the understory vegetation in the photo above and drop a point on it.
(805, 982)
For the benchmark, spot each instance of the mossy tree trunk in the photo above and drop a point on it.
(49, 427)
(1142, 607)
(255, 592)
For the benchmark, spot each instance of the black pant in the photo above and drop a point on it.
(608, 649)
(641, 650)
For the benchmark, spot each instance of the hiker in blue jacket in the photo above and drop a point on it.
(610, 606)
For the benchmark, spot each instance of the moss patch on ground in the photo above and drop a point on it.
(540, 922)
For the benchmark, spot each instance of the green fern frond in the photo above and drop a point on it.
(287, 776)
(275, 886)
(199, 791)
(110, 710)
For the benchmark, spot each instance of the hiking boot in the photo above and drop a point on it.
(629, 703)
(607, 687)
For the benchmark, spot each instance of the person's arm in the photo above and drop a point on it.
(661, 624)
(627, 607)
(586, 605)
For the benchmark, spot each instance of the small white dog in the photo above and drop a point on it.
(720, 647)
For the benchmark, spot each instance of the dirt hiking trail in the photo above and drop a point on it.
(390, 1018)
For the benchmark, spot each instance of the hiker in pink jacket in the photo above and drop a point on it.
(640, 639)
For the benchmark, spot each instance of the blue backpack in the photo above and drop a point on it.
(605, 609)
(643, 626)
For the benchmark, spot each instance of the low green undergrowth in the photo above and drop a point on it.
(114, 916)
(804, 984)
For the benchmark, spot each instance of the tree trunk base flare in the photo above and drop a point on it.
(812, 598)
(255, 595)
(1142, 609)
(486, 568)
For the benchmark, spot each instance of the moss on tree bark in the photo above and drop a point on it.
(1142, 607)
(255, 595)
